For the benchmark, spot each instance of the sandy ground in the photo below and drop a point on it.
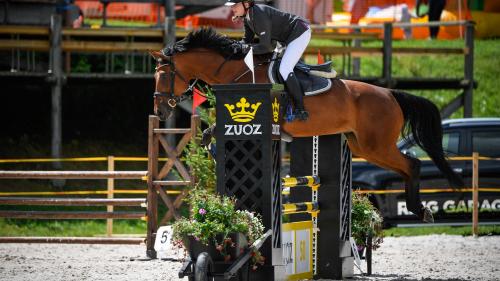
(434, 257)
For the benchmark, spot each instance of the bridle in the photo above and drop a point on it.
(172, 99)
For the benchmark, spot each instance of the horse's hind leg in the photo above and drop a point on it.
(412, 192)
(389, 157)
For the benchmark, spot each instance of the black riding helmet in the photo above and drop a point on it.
(232, 2)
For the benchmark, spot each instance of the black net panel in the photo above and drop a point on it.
(243, 173)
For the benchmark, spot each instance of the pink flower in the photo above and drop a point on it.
(202, 211)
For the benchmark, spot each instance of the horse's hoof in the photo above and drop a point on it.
(286, 137)
(428, 215)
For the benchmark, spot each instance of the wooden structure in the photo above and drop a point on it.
(71, 201)
(157, 178)
(249, 167)
(129, 41)
(73, 240)
(157, 174)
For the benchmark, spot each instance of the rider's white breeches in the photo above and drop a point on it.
(293, 53)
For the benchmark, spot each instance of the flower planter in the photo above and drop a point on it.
(195, 247)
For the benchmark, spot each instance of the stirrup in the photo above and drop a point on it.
(301, 114)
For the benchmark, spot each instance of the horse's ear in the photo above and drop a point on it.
(157, 55)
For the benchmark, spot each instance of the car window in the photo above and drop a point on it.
(451, 144)
(487, 143)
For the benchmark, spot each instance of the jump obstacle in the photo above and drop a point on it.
(249, 168)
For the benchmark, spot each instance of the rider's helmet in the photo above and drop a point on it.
(232, 2)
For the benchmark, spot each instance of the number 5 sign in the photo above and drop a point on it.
(163, 241)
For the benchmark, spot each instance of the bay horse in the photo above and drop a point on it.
(371, 117)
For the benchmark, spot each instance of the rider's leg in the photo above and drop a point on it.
(292, 55)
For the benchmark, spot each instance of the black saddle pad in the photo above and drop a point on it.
(311, 84)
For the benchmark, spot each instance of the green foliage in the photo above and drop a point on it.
(201, 165)
(82, 65)
(365, 220)
(213, 218)
(449, 230)
(213, 215)
(207, 114)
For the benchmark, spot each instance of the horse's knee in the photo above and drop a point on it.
(206, 137)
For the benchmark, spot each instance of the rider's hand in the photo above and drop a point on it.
(245, 48)
(240, 48)
(236, 47)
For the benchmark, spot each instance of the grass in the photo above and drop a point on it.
(91, 228)
(449, 230)
(66, 228)
(96, 23)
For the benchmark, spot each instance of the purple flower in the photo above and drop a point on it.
(202, 211)
(197, 238)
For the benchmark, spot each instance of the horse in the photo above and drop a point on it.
(371, 117)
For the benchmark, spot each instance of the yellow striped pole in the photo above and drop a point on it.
(297, 208)
(300, 181)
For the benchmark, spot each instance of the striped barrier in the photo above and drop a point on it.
(249, 168)
(310, 181)
(300, 239)
(297, 208)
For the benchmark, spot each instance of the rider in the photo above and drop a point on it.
(268, 23)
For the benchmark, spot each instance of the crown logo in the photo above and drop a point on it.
(276, 110)
(243, 116)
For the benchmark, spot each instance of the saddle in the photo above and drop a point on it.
(310, 83)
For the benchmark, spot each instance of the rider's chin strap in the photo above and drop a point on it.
(251, 3)
(246, 10)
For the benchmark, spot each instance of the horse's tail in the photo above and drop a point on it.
(423, 121)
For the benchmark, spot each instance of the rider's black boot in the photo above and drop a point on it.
(294, 90)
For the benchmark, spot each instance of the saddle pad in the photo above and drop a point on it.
(311, 85)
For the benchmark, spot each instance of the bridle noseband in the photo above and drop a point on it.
(172, 99)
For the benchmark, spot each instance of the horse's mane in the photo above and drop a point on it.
(205, 37)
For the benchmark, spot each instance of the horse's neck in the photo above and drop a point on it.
(216, 70)
(261, 68)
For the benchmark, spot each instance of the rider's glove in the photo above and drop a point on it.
(240, 48)
(245, 48)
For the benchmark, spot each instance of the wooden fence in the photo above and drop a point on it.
(131, 42)
(160, 188)
(154, 189)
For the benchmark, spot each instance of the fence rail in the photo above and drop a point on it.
(72, 175)
(72, 201)
(71, 215)
(132, 43)
(110, 202)
(73, 240)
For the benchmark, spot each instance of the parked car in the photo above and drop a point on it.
(461, 137)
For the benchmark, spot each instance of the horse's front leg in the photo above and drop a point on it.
(208, 133)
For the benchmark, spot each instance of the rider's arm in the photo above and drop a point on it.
(263, 28)
(249, 35)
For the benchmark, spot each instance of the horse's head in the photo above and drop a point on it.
(178, 70)
(168, 81)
